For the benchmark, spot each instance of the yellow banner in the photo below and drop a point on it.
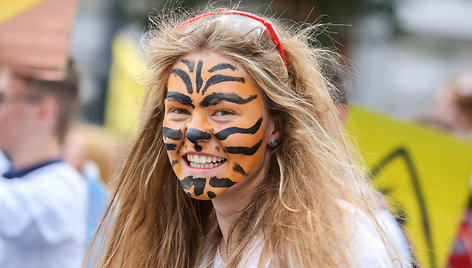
(11, 8)
(125, 93)
(425, 174)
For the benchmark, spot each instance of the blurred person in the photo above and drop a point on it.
(451, 106)
(393, 229)
(86, 142)
(451, 110)
(240, 160)
(92, 150)
(42, 199)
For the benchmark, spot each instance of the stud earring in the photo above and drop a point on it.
(273, 143)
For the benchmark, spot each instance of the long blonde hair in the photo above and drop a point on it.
(296, 209)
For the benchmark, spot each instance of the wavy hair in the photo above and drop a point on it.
(296, 208)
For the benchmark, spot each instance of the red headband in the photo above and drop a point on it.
(267, 23)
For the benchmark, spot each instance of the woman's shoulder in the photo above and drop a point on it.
(366, 244)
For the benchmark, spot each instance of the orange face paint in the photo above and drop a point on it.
(213, 124)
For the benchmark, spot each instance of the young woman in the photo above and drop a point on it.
(240, 160)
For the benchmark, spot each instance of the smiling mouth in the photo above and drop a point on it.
(203, 161)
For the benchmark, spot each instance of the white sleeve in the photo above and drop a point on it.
(367, 248)
(398, 243)
(41, 208)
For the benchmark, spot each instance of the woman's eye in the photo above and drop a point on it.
(179, 111)
(223, 113)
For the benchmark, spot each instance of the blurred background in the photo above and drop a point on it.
(402, 50)
(401, 53)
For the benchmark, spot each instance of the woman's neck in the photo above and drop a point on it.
(230, 204)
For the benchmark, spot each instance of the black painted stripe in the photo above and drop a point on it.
(199, 79)
(239, 169)
(223, 134)
(219, 78)
(170, 146)
(184, 76)
(221, 182)
(197, 183)
(215, 98)
(244, 150)
(190, 64)
(222, 66)
(194, 135)
(181, 98)
(174, 162)
(211, 194)
(173, 134)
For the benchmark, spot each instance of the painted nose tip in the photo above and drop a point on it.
(194, 135)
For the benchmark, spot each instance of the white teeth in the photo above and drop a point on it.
(203, 161)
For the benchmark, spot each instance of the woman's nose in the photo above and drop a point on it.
(194, 135)
(196, 131)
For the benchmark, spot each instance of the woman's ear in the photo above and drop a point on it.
(274, 130)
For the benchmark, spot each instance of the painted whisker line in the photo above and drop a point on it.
(190, 64)
(223, 134)
(221, 182)
(180, 98)
(239, 169)
(197, 183)
(170, 146)
(220, 78)
(173, 134)
(174, 162)
(185, 78)
(215, 98)
(243, 150)
(222, 66)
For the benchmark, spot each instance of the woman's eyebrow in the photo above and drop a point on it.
(215, 98)
(180, 98)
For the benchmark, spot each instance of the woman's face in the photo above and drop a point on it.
(215, 125)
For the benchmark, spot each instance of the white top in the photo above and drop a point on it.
(366, 244)
(395, 235)
(4, 163)
(42, 218)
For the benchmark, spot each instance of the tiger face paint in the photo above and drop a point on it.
(214, 125)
